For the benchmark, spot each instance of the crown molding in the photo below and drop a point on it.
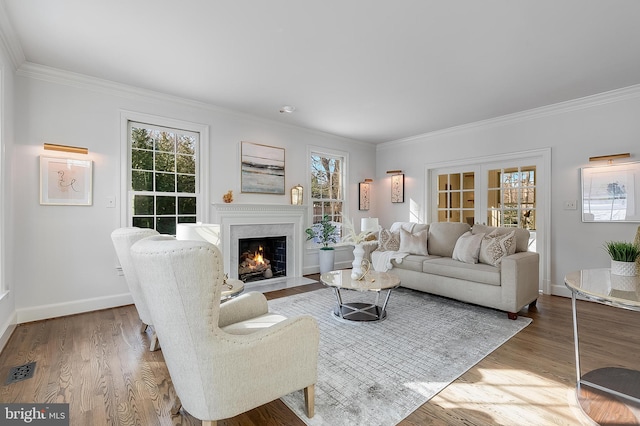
(590, 101)
(8, 40)
(82, 81)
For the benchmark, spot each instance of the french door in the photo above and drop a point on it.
(511, 191)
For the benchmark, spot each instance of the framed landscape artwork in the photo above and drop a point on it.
(262, 169)
(65, 181)
(397, 188)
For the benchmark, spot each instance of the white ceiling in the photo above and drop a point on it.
(372, 70)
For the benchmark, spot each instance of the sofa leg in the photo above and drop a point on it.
(512, 315)
(533, 304)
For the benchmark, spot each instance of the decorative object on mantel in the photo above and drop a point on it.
(397, 186)
(364, 192)
(623, 257)
(297, 195)
(228, 197)
(262, 169)
(325, 233)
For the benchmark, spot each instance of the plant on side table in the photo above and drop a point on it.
(325, 233)
(623, 257)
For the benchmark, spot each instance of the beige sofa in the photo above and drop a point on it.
(509, 286)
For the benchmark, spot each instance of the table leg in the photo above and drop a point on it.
(336, 291)
(386, 300)
(575, 339)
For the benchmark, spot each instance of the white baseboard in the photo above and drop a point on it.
(7, 330)
(560, 290)
(54, 310)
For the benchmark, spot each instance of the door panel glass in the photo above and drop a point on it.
(456, 197)
(511, 194)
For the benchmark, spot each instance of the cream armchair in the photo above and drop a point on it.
(123, 239)
(223, 359)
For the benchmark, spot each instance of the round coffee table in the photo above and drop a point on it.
(373, 281)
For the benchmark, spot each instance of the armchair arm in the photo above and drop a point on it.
(263, 366)
(243, 307)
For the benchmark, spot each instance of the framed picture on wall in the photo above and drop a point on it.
(397, 188)
(262, 169)
(365, 196)
(65, 181)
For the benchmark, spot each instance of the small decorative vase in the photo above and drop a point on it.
(626, 269)
(358, 254)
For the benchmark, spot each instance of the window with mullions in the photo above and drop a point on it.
(163, 177)
(327, 186)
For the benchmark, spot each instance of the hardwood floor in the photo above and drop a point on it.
(100, 364)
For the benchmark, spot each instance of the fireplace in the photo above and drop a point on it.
(262, 258)
(248, 221)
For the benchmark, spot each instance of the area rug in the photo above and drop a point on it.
(378, 373)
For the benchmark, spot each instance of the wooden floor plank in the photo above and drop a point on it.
(99, 362)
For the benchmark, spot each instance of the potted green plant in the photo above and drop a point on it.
(325, 233)
(623, 257)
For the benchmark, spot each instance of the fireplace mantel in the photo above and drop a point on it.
(261, 220)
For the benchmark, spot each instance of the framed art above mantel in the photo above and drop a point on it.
(262, 169)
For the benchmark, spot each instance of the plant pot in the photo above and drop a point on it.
(326, 257)
(626, 269)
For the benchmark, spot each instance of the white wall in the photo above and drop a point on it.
(64, 260)
(7, 297)
(575, 131)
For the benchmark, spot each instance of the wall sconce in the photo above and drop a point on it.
(364, 192)
(610, 158)
(297, 193)
(66, 148)
(397, 186)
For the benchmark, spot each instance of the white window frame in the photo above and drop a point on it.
(316, 150)
(202, 155)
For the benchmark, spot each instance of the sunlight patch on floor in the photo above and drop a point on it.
(507, 393)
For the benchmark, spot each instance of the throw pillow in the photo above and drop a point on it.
(467, 247)
(389, 241)
(414, 243)
(495, 247)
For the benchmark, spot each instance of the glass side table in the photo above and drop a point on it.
(599, 285)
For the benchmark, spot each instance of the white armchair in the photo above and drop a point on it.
(223, 359)
(123, 239)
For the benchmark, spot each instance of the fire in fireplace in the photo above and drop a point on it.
(262, 258)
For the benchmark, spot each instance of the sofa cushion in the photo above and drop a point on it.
(412, 262)
(522, 235)
(495, 247)
(467, 247)
(448, 267)
(414, 243)
(389, 241)
(443, 237)
(412, 227)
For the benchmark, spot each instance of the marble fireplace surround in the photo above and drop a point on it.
(261, 220)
